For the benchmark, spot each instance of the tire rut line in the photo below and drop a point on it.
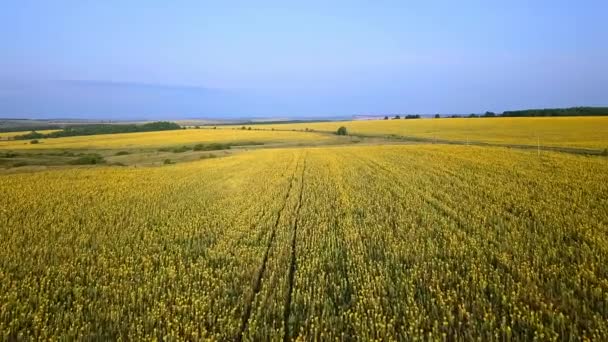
(258, 281)
(293, 263)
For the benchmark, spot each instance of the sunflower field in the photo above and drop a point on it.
(385, 242)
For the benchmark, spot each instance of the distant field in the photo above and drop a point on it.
(166, 138)
(328, 243)
(8, 135)
(581, 132)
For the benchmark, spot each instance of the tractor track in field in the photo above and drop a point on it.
(260, 275)
(293, 263)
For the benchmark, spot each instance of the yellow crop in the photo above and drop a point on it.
(328, 243)
(582, 132)
(166, 138)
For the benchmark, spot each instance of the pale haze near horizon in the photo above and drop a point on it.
(198, 59)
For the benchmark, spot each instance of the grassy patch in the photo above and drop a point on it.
(179, 149)
(211, 147)
(88, 159)
(207, 147)
(8, 154)
(60, 154)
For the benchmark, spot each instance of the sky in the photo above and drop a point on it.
(298, 59)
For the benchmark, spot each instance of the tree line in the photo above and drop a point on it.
(95, 129)
(572, 111)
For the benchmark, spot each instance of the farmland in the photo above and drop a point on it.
(291, 237)
(579, 132)
(385, 242)
(163, 138)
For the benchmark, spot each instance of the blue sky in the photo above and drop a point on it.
(184, 59)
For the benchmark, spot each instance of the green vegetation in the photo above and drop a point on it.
(179, 149)
(207, 147)
(342, 131)
(574, 111)
(211, 147)
(96, 129)
(88, 159)
(14, 126)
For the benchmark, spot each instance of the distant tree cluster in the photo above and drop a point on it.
(27, 128)
(473, 115)
(573, 111)
(101, 129)
(398, 116)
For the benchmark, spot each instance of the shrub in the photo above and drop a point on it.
(35, 141)
(175, 149)
(88, 159)
(122, 153)
(167, 162)
(342, 131)
(211, 147)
